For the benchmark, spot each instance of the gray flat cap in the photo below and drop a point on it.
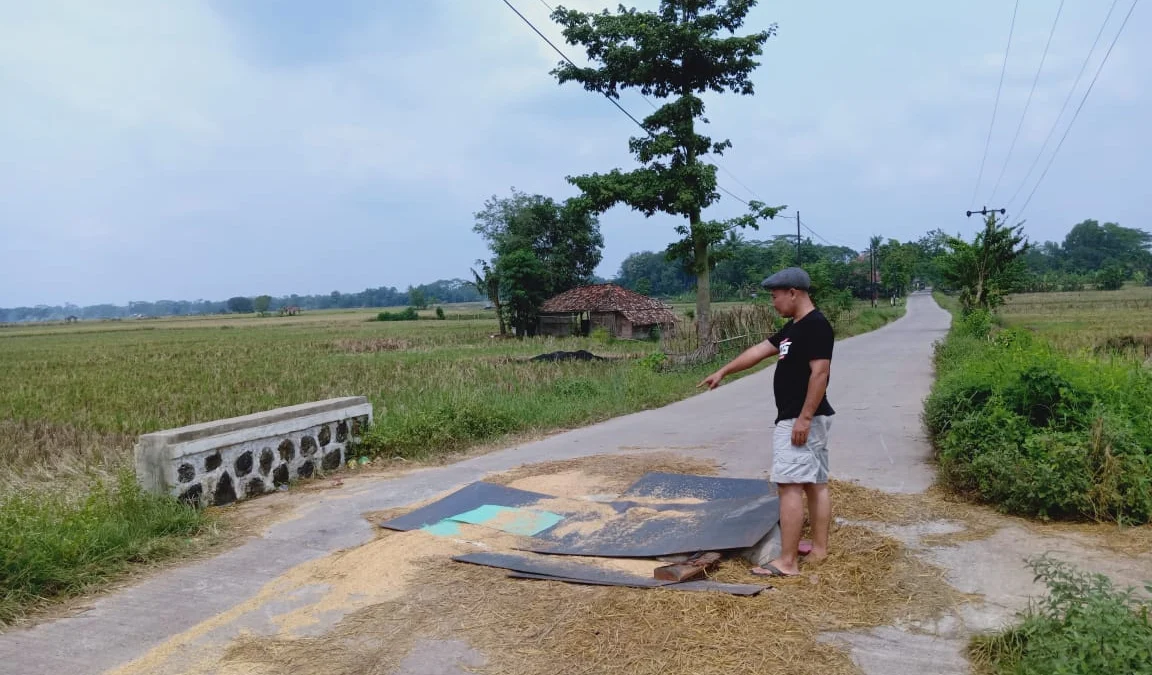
(789, 277)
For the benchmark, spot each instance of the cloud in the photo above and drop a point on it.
(207, 148)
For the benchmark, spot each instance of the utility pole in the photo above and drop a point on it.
(984, 212)
(872, 270)
(798, 260)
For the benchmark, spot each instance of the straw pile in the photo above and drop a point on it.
(525, 627)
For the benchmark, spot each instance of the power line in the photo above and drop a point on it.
(1078, 109)
(1067, 100)
(996, 105)
(1027, 103)
(655, 107)
(565, 57)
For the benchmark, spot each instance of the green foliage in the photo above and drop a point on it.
(261, 303)
(240, 305)
(525, 286)
(1085, 626)
(417, 298)
(422, 431)
(1111, 278)
(989, 268)
(1038, 432)
(1090, 246)
(440, 313)
(488, 283)
(541, 248)
(675, 54)
(977, 323)
(656, 362)
(602, 335)
(55, 544)
(409, 314)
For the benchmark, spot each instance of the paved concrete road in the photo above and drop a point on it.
(878, 384)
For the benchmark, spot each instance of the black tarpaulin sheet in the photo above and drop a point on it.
(713, 586)
(567, 570)
(639, 530)
(650, 531)
(707, 488)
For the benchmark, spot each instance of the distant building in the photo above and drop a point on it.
(624, 313)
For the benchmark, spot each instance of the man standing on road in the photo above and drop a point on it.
(799, 444)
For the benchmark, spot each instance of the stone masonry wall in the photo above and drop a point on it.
(243, 470)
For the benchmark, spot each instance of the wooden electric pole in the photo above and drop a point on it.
(799, 260)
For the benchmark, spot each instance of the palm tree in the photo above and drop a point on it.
(488, 285)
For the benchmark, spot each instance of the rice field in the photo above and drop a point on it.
(1102, 322)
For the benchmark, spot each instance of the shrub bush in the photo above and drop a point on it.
(1038, 432)
(426, 430)
(1084, 626)
(409, 314)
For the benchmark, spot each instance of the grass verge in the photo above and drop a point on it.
(54, 544)
(1037, 431)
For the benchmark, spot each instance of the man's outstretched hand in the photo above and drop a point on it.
(712, 381)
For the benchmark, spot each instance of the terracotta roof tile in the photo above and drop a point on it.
(639, 309)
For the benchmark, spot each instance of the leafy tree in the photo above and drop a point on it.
(675, 53)
(261, 303)
(541, 248)
(664, 277)
(240, 305)
(1111, 278)
(987, 269)
(488, 284)
(524, 286)
(416, 298)
(897, 266)
(565, 237)
(1092, 246)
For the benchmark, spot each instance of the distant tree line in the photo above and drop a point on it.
(1091, 255)
(443, 291)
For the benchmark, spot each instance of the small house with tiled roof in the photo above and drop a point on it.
(625, 313)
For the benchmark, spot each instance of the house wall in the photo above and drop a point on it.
(606, 320)
(559, 325)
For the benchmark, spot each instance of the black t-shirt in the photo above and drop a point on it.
(800, 342)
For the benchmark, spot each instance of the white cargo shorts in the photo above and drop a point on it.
(801, 464)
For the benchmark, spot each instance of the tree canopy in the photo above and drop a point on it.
(676, 53)
(540, 248)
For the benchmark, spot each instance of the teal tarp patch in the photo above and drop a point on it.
(524, 522)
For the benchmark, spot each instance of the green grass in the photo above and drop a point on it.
(56, 543)
(1032, 419)
(78, 396)
(1085, 626)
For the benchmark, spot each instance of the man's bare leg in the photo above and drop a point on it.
(791, 524)
(819, 518)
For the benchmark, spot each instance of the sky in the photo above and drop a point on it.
(193, 149)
